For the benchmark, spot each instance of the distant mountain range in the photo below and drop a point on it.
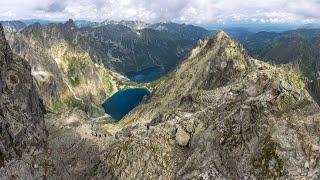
(17, 25)
(12, 26)
(299, 48)
(125, 49)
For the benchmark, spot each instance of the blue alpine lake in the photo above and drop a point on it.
(145, 75)
(123, 101)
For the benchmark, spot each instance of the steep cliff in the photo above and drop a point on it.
(22, 130)
(314, 87)
(220, 115)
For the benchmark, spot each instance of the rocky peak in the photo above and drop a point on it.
(221, 115)
(70, 24)
(5, 51)
(213, 63)
(221, 35)
(12, 26)
(231, 55)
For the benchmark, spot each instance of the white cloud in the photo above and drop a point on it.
(188, 11)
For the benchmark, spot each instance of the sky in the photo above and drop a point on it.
(200, 12)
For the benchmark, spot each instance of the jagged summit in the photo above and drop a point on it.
(214, 63)
(70, 24)
(4, 47)
(221, 34)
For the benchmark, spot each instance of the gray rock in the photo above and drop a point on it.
(22, 130)
(182, 137)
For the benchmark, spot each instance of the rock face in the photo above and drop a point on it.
(77, 145)
(22, 130)
(220, 115)
(314, 88)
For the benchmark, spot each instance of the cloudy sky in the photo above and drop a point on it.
(187, 11)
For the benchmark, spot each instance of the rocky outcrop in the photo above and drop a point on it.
(297, 48)
(22, 130)
(220, 115)
(314, 88)
(182, 137)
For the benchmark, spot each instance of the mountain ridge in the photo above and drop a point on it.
(66, 59)
(232, 130)
(123, 37)
(219, 114)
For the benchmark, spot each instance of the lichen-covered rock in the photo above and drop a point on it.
(23, 135)
(246, 120)
(182, 137)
